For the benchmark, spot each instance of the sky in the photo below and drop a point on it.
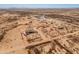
(39, 5)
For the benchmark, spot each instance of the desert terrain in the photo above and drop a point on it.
(39, 31)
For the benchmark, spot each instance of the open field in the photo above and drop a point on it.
(39, 31)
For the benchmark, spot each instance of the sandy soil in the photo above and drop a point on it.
(39, 32)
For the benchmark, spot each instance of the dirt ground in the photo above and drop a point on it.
(39, 31)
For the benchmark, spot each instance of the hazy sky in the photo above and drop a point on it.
(39, 5)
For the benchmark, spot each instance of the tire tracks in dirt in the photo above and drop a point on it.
(42, 42)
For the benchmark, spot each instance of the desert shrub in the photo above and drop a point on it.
(1, 34)
(12, 18)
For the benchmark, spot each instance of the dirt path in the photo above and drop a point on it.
(44, 41)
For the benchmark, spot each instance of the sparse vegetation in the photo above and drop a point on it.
(1, 34)
(50, 31)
